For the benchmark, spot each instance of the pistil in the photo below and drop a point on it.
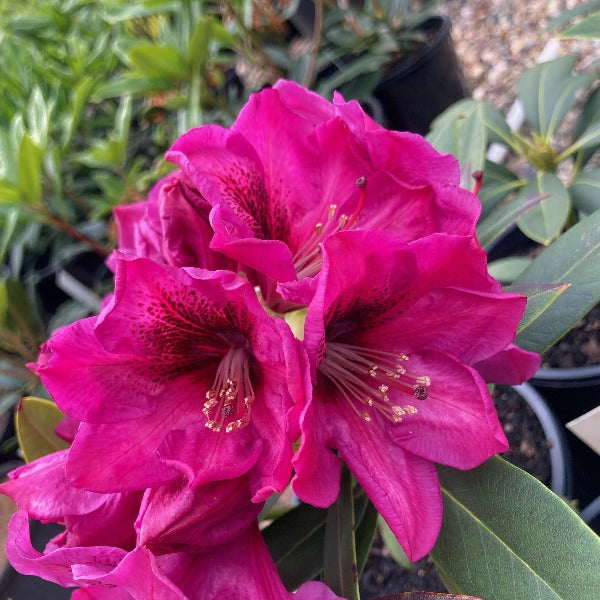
(229, 401)
(365, 377)
(307, 259)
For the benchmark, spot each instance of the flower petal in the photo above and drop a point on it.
(456, 424)
(510, 366)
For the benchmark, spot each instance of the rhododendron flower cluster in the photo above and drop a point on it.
(189, 399)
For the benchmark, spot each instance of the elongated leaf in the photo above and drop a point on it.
(30, 171)
(506, 536)
(589, 139)
(365, 533)
(586, 28)
(573, 258)
(391, 543)
(340, 571)
(585, 191)
(427, 596)
(163, 62)
(498, 182)
(590, 113)
(542, 90)
(566, 16)
(539, 297)
(79, 97)
(131, 85)
(35, 420)
(502, 219)
(38, 118)
(546, 220)
(506, 270)
(363, 65)
(295, 541)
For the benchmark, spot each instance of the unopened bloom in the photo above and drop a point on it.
(294, 169)
(177, 349)
(394, 333)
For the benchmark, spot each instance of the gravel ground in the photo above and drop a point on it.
(497, 40)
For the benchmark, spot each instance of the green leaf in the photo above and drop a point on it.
(365, 533)
(585, 191)
(590, 114)
(130, 85)
(79, 96)
(340, 571)
(162, 62)
(506, 536)
(498, 182)
(295, 541)
(461, 131)
(8, 193)
(38, 118)
(586, 28)
(30, 171)
(391, 543)
(427, 596)
(573, 258)
(503, 218)
(35, 421)
(364, 65)
(506, 270)
(547, 90)
(198, 47)
(10, 223)
(546, 220)
(590, 138)
(539, 297)
(568, 15)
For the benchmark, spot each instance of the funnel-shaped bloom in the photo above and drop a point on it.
(177, 349)
(294, 169)
(392, 335)
(171, 542)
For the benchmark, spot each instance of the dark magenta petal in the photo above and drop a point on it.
(510, 366)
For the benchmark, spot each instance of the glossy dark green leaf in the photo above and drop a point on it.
(35, 421)
(585, 191)
(540, 296)
(365, 65)
(503, 218)
(340, 570)
(544, 222)
(573, 258)
(506, 536)
(547, 91)
(30, 171)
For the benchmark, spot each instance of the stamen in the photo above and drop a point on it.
(229, 401)
(307, 258)
(367, 377)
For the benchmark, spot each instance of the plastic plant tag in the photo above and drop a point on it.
(587, 428)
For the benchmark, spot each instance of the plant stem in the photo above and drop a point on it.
(315, 44)
(66, 227)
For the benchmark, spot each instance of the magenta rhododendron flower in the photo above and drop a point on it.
(293, 169)
(171, 226)
(171, 542)
(174, 348)
(392, 334)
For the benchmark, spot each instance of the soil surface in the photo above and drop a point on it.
(579, 347)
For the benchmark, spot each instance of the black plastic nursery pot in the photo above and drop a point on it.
(421, 86)
(571, 393)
